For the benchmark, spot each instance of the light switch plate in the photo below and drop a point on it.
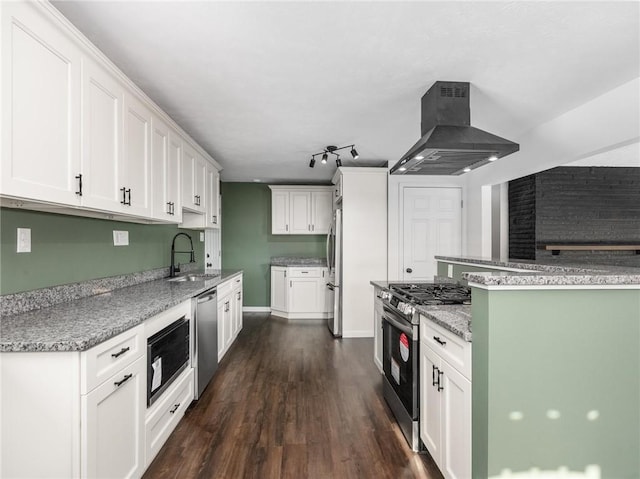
(24, 240)
(450, 270)
(201, 236)
(120, 238)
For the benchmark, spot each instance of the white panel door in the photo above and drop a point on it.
(40, 108)
(279, 212)
(321, 211)
(102, 99)
(432, 225)
(299, 214)
(136, 167)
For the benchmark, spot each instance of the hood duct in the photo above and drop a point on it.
(449, 143)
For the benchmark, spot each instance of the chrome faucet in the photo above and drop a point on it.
(173, 269)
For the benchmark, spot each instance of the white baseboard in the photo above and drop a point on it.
(285, 315)
(256, 309)
(363, 333)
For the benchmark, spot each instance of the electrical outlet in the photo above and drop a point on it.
(120, 238)
(24, 240)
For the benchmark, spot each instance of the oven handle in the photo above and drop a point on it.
(402, 327)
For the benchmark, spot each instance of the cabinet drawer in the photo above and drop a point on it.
(164, 416)
(104, 360)
(225, 288)
(237, 282)
(299, 272)
(450, 347)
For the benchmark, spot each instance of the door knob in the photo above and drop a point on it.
(409, 270)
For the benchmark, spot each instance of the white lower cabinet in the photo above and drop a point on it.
(445, 401)
(163, 417)
(378, 311)
(229, 313)
(113, 425)
(300, 292)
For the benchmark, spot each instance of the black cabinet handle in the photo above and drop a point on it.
(169, 208)
(434, 381)
(123, 380)
(120, 353)
(124, 196)
(439, 341)
(175, 408)
(215, 219)
(79, 178)
(129, 193)
(440, 387)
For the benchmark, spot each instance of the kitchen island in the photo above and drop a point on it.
(555, 365)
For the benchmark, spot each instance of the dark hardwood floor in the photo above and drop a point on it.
(289, 401)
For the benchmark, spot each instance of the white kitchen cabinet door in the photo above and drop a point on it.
(135, 171)
(299, 212)
(212, 195)
(188, 171)
(222, 305)
(303, 295)
(430, 403)
(102, 104)
(228, 321)
(456, 423)
(279, 212)
(279, 288)
(40, 107)
(321, 211)
(200, 183)
(174, 175)
(377, 333)
(113, 425)
(325, 295)
(160, 205)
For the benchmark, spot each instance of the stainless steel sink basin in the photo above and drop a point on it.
(192, 277)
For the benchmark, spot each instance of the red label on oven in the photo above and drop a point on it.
(404, 347)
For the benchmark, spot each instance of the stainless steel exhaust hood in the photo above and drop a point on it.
(449, 144)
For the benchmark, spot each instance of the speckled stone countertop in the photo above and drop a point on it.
(545, 274)
(453, 317)
(297, 261)
(81, 324)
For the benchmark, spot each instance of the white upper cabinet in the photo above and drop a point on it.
(301, 209)
(79, 137)
(213, 196)
(135, 173)
(166, 157)
(40, 107)
(102, 99)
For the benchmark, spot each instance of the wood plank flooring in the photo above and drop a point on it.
(289, 401)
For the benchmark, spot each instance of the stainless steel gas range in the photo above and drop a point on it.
(400, 350)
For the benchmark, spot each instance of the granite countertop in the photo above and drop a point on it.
(297, 261)
(81, 324)
(543, 274)
(454, 317)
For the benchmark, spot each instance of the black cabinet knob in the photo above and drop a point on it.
(409, 270)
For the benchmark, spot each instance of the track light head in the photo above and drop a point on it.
(324, 158)
(312, 163)
(354, 153)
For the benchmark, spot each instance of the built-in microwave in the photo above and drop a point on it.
(167, 357)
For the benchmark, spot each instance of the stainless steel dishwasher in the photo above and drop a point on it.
(206, 338)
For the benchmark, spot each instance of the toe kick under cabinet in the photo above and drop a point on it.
(84, 413)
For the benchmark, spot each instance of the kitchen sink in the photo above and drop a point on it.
(192, 277)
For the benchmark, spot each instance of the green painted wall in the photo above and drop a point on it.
(556, 381)
(67, 249)
(247, 242)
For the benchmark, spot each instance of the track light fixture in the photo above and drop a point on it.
(332, 150)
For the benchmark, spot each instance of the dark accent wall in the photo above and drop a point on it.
(599, 205)
(522, 218)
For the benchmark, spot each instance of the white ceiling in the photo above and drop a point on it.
(263, 85)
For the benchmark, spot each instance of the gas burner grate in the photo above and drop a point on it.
(433, 293)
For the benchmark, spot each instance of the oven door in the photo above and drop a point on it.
(400, 359)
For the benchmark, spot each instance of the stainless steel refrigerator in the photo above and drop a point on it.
(334, 263)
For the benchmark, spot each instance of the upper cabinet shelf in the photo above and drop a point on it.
(79, 137)
(301, 210)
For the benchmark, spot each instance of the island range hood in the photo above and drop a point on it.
(449, 143)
